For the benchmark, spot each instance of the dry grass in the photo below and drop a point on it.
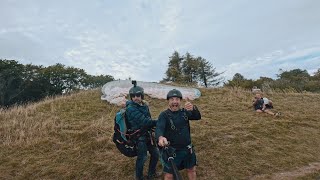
(70, 138)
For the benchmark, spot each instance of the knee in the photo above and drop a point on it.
(192, 170)
(168, 176)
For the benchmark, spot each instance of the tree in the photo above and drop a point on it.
(35, 86)
(236, 81)
(62, 79)
(11, 73)
(295, 74)
(316, 75)
(295, 78)
(23, 83)
(264, 83)
(174, 68)
(96, 81)
(207, 74)
(190, 68)
(314, 84)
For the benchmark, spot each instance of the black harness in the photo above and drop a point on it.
(172, 126)
(174, 129)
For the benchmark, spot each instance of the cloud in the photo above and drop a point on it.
(169, 19)
(135, 38)
(307, 58)
(129, 56)
(107, 55)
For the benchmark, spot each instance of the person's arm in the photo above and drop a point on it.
(192, 111)
(139, 119)
(270, 103)
(254, 102)
(160, 129)
(194, 114)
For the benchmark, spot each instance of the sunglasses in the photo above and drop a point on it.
(135, 95)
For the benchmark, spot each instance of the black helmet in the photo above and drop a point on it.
(174, 93)
(136, 90)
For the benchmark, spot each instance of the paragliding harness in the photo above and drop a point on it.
(168, 152)
(123, 136)
(172, 126)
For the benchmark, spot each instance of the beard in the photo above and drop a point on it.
(137, 101)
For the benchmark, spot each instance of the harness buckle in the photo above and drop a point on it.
(190, 148)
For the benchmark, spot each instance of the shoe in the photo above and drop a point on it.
(277, 114)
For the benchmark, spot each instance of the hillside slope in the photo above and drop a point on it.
(70, 138)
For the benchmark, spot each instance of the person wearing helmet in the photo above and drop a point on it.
(139, 118)
(173, 129)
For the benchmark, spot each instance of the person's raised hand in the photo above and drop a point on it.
(188, 105)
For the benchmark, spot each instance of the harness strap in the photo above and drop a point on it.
(173, 127)
(128, 134)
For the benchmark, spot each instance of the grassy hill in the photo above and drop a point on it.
(70, 138)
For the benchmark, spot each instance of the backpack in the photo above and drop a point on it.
(123, 137)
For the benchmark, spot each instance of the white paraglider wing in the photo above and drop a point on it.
(115, 92)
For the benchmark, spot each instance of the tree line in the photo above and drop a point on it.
(24, 83)
(297, 80)
(188, 69)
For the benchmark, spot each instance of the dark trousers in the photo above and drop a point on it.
(143, 146)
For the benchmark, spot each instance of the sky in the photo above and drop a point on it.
(135, 38)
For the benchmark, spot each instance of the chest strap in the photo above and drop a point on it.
(169, 115)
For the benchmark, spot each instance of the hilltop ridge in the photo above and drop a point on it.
(69, 137)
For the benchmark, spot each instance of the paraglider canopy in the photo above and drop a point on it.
(115, 92)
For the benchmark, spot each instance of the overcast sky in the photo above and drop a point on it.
(134, 38)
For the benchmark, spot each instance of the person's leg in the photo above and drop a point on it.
(168, 176)
(154, 156)
(141, 158)
(259, 111)
(268, 111)
(192, 175)
(190, 162)
(167, 169)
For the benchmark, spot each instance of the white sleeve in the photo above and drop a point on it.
(265, 101)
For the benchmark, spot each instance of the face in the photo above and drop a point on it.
(174, 103)
(136, 98)
(258, 96)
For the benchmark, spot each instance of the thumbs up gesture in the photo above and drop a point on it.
(188, 105)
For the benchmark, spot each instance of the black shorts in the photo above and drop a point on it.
(183, 159)
(268, 106)
(260, 107)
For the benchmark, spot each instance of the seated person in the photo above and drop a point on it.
(261, 104)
